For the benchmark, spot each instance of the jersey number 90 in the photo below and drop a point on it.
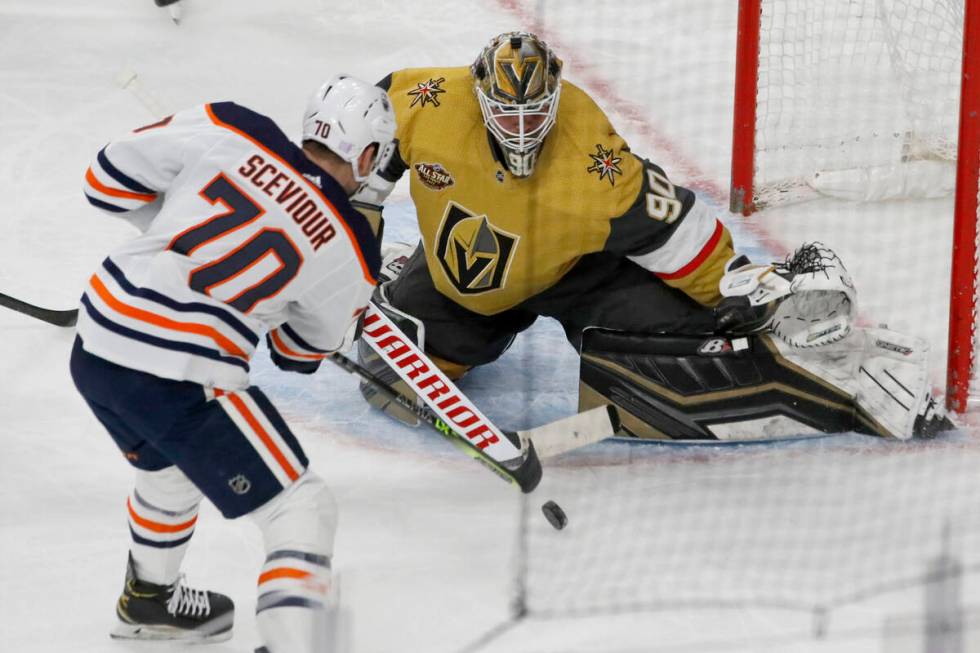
(662, 202)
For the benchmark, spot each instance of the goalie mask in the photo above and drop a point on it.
(518, 81)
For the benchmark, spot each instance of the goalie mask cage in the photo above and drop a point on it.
(866, 100)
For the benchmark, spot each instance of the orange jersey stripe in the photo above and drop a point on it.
(350, 235)
(157, 527)
(281, 346)
(124, 194)
(160, 321)
(266, 440)
(283, 572)
(706, 251)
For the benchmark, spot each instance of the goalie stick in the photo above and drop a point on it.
(514, 456)
(57, 318)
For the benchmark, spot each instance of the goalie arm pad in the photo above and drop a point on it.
(807, 301)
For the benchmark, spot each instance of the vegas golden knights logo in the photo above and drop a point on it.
(517, 79)
(474, 253)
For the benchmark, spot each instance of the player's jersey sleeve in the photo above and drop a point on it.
(669, 232)
(319, 320)
(130, 174)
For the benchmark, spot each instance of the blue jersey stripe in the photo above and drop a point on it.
(289, 331)
(163, 343)
(120, 177)
(104, 205)
(185, 307)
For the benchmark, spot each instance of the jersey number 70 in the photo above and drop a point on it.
(269, 248)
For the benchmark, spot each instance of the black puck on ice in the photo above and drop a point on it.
(555, 515)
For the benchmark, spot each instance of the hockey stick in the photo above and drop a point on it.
(524, 471)
(457, 412)
(57, 318)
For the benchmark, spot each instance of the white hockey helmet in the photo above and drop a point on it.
(348, 115)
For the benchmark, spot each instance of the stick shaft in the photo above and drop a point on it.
(57, 318)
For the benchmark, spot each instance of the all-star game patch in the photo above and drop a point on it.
(426, 92)
(433, 176)
(604, 163)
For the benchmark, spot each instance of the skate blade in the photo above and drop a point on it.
(159, 633)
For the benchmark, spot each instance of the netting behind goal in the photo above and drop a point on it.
(873, 102)
(856, 87)
(815, 526)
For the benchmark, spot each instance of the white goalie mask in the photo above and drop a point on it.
(518, 84)
(348, 115)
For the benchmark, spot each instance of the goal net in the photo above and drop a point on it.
(872, 102)
(858, 100)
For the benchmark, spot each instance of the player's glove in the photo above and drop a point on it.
(289, 364)
(807, 300)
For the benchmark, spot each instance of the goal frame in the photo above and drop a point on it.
(963, 283)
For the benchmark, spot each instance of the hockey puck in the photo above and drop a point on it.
(555, 515)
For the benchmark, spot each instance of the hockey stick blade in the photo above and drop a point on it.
(526, 474)
(573, 432)
(57, 318)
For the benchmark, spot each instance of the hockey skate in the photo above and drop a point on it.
(171, 612)
(931, 420)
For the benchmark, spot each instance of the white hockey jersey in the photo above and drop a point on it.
(241, 234)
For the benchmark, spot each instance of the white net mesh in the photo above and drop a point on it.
(815, 526)
(856, 85)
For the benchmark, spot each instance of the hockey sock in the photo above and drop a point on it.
(296, 602)
(162, 512)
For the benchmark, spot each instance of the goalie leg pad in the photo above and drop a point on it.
(887, 374)
(758, 387)
(707, 388)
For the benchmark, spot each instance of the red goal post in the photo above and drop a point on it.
(926, 139)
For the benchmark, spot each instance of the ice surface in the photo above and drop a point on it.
(427, 539)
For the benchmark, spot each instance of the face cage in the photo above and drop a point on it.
(519, 142)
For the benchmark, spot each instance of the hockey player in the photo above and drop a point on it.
(530, 204)
(243, 234)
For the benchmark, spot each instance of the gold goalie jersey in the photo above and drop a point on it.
(493, 240)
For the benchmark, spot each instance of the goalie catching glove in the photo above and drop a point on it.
(807, 301)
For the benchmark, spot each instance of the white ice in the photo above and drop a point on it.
(426, 548)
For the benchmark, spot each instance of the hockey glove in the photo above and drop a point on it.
(289, 364)
(808, 300)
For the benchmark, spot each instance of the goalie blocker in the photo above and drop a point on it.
(757, 387)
